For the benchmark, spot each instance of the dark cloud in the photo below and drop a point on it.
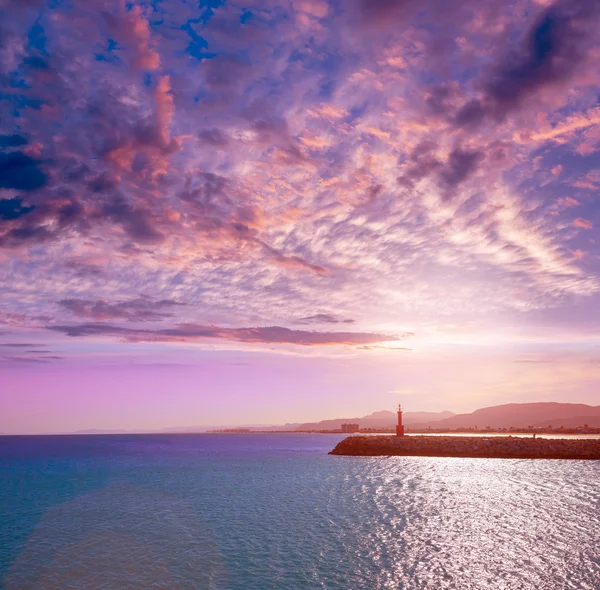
(190, 332)
(291, 261)
(422, 162)
(29, 359)
(69, 213)
(215, 207)
(135, 310)
(74, 170)
(470, 115)
(83, 269)
(19, 345)
(55, 213)
(14, 140)
(21, 172)
(102, 183)
(296, 262)
(26, 235)
(377, 18)
(437, 99)
(549, 55)
(226, 73)
(204, 189)
(35, 62)
(20, 4)
(460, 165)
(383, 14)
(135, 221)
(119, 129)
(13, 208)
(324, 318)
(271, 129)
(211, 207)
(214, 137)
(41, 356)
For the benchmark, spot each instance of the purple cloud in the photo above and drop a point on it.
(192, 332)
(134, 310)
(399, 163)
(18, 345)
(550, 53)
(324, 318)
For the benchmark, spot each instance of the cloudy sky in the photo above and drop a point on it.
(222, 212)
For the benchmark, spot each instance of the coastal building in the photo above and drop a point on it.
(350, 427)
(399, 426)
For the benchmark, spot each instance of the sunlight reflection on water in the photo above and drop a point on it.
(276, 512)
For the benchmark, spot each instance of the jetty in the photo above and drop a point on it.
(487, 447)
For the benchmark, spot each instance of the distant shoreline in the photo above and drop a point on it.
(523, 432)
(367, 433)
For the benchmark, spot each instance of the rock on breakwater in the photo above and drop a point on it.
(496, 447)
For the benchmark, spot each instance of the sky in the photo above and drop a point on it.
(219, 212)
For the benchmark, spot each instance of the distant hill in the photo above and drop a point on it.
(591, 421)
(519, 416)
(540, 414)
(381, 419)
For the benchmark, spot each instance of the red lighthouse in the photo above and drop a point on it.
(399, 426)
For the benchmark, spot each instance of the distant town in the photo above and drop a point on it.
(354, 428)
(527, 418)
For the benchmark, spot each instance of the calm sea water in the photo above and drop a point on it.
(274, 511)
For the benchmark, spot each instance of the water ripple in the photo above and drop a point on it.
(276, 512)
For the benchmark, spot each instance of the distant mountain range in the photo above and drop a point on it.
(521, 416)
(540, 414)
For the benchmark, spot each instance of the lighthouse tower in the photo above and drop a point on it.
(399, 426)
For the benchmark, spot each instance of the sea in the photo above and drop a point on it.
(275, 511)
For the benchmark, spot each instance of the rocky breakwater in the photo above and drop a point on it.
(491, 447)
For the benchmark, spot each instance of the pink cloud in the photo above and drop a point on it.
(566, 202)
(131, 28)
